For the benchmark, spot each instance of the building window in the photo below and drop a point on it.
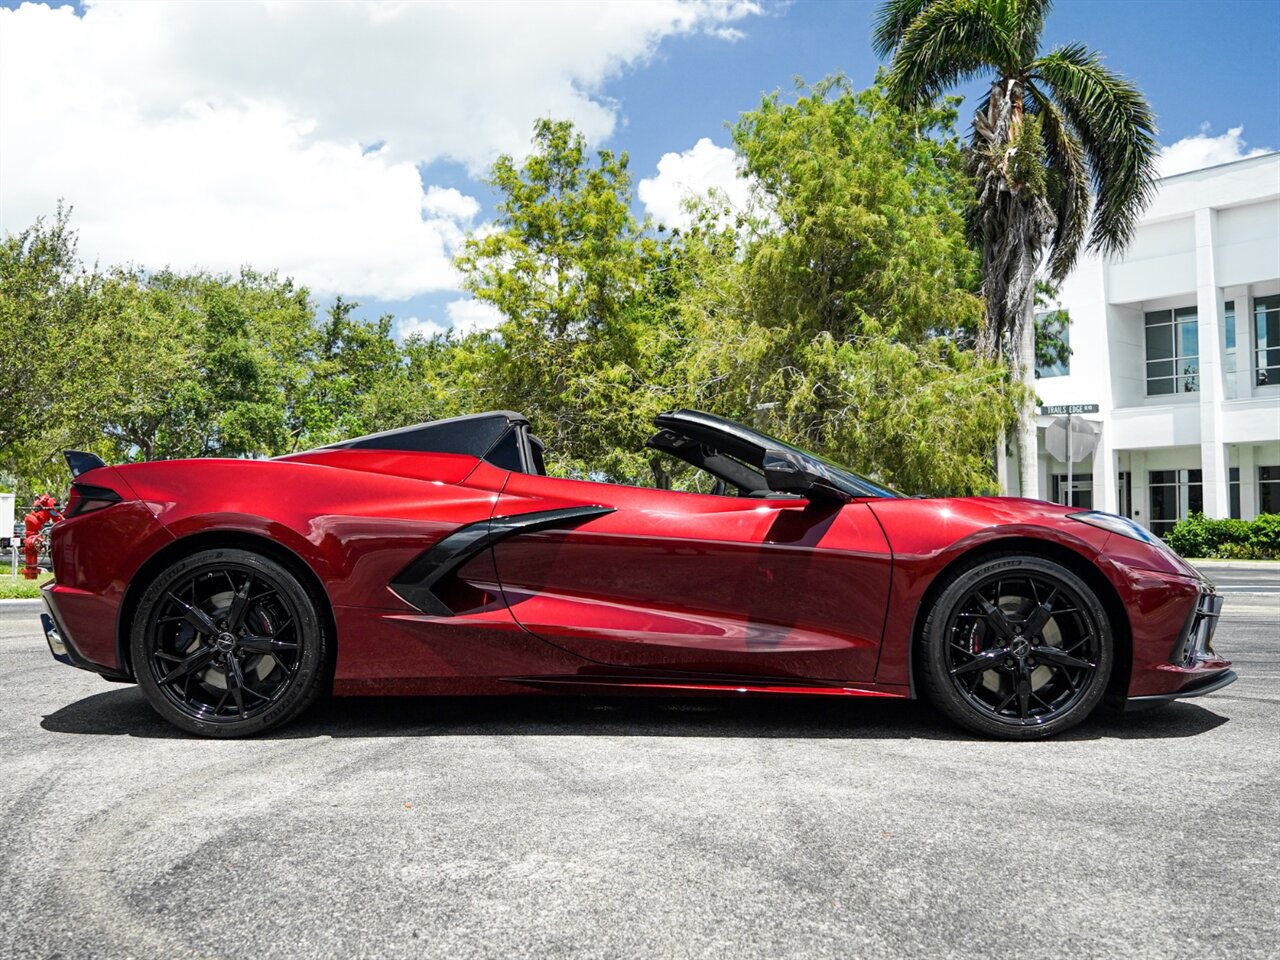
(1175, 494)
(1081, 490)
(1173, 351)
(1233, 491)
(1124, 493)
(1269, 489)
(1266, 332)
(1053, 344)
(1229, 354)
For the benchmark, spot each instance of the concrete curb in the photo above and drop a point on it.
(1237, 564)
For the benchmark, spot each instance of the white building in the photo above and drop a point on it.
(1178, 343)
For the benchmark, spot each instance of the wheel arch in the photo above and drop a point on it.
(209, 540)
(1108, 596)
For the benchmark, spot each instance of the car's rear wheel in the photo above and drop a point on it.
(228, 643)
(1017, 647)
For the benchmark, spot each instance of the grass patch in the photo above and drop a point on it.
(19, 589)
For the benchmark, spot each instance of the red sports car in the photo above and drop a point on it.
(441, 559)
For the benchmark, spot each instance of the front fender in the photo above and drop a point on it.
(927, 537)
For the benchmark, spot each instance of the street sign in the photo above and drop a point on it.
(1070, 440)
(1068, 409)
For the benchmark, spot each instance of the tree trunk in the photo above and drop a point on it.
(1028, 443)
(1014, 224)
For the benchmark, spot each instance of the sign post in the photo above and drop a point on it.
(1070, 410)
(1071, 486)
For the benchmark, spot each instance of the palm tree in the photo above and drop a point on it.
(1063, 150)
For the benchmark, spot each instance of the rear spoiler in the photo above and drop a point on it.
(81, 462)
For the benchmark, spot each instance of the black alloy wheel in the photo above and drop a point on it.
(1017, 647)
(228, 643)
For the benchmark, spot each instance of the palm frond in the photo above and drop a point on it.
(1068, 182)
(1028, 24)
(1114, 124)
(976, 153)
(948, 42)
(891, 22)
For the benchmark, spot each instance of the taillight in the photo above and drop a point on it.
(86, 498)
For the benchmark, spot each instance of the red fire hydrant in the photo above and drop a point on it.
(43, 510)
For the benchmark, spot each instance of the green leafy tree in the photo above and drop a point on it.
(836, 317)
(201, 364)
(133, 365)
(1052, 126)
(45, 295)
(353, 380)
(578, 280)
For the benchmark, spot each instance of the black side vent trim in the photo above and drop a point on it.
(415, 582)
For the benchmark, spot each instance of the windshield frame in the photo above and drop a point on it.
(841, 477)
(750, 445)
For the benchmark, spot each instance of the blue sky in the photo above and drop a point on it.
(231, 133)
(1197, 60)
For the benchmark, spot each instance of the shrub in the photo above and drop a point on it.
(1225, 539)
(1264, 534)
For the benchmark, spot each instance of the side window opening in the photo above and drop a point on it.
(536, 448)
(505, 452)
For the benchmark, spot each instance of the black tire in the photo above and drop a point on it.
(229, 643)
(1016, 647)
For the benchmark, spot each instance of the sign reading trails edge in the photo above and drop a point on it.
(1068, 409)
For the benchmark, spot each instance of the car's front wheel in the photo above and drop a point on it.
(1017, 647)
(228, 643)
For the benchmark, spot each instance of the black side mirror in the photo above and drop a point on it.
(787, 472)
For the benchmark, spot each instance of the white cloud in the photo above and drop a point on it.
(411, 326)
(289, 135)
(468, 316)
(451, 203)
(463, 316)
(1203, 150)
(693, 173)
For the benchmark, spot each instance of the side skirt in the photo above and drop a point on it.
(685, 686)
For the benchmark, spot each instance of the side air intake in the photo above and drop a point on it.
(417, 582)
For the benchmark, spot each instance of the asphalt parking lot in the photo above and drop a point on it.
(581, 828)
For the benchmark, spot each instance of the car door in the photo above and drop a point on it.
(672, 581)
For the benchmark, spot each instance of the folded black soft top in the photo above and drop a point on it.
(474, 435)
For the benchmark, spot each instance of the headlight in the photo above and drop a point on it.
(1121, 525)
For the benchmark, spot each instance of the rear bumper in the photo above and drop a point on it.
(53, 637)
(96, 556)
(60, 641)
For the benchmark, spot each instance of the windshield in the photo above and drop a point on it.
(840, 477)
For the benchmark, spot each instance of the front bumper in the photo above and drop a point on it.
(1198, 689)
(1195, 643)
(1192, 667)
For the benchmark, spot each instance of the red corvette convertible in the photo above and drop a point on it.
(441, 559)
